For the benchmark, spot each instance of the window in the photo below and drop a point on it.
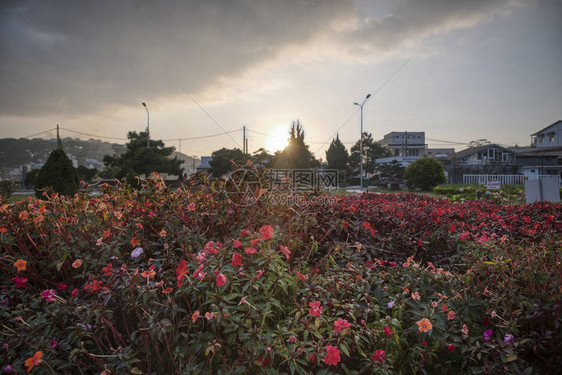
(541, 138)
(551, 137)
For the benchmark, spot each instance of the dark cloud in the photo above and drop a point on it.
(82, 56)
(75, 56)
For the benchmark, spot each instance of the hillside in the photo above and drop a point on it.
(32, 153)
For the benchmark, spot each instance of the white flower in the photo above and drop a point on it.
(137, 252)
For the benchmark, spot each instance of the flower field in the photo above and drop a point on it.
(156, 281)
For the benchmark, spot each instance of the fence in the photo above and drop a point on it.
(504, 179)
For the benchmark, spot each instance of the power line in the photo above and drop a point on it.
(200, 137)
(34, 135)
(311, 142)
(94, 135)
(375, 93)
(193, 99)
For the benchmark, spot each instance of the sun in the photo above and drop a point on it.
(278, 139)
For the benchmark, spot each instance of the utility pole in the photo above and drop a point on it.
(179, 140)
(59, 142)
(244, 139)
(361, 139)
(147, 125)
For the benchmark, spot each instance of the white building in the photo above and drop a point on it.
(551, 136)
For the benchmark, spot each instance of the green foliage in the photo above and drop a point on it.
(424, 173)
(296, 155)
(371, 152)
(31, 177)
(139, 159)
(86, 174)
(58, 174)
(393, 171)
(7, 187)
(337, 155)
(132, 282)
(223, 159)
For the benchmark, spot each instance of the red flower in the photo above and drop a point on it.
(266, 232)
(181, 271)
(450, 347)
(250, 250)
(379, 356)
(286, 252)
(341, 325)
(49, 295)
(258, 274)
(388, 331)
(236, 260)
(367, 225)
(315, 309)
(302, 277)
(221, 279)
(33, 361)
(93, 287)
(236, 244)
(108, 270)
(333, 356)
(62, 286)
(21, 282)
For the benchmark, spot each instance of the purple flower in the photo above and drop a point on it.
(391, 304)
(487, 334)
(137, 252)
(8, 368)
(508, 338)
(52, 343)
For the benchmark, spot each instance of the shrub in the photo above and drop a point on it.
(58, 173)
(7, 187)
(424, 173)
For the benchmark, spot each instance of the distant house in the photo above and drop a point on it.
(407, 147)
(551, 136)
(485, 159)
(205, 166)
(539, 161)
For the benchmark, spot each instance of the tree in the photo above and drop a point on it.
(479, 142)
(57, 173)
(371, 151)
(139, 159)
(262, 157)
(296, 155)
(86, 174)
(337, 155)
(425, 173)
(222, 159)
(393, 171)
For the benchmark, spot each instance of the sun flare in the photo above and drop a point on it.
(278, 139)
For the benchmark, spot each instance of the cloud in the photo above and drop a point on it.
(70, 57)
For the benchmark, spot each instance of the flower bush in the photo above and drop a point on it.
(186, 281)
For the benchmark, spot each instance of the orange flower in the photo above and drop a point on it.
(33, 361)
(135, 241)
(77, 263)
(415, 296)
(444, 307)
(149, 273)
(167, 290)
(424, 325)
(20, 265)
(451, 315)
(24, 215)
(191, 207)
(195, 315)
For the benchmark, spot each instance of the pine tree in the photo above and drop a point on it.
(371, 152)
(337, 155)
(296, 155)
(57, 173)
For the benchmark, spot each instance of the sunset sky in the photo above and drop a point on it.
(458, 70)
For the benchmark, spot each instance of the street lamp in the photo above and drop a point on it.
(147, 125)
(361, 139)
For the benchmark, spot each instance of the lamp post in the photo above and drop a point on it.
(147, 125)
(361, 139)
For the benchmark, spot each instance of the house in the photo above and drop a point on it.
(205, 166)
(551, 136)
(484, 159)
(539, 161)
(407, 147)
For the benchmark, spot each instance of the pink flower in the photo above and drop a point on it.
(48, 295)
(415, 296)
(451, 315)
(236, 244)
(315, 309)
(464, 236)
(221, 279)
(341, 325)
(286, 252)
(333, 356)
(201, 257)
(388, 331)
(250, 250)
(21, 282)
(258, 274)
(236, 260)
(379, 356)
(62, 286)
(266, 232)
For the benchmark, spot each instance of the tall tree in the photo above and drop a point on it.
(57, 173)
(139, 159)
(262, 157)
(296, 155)
(337, 155)
(371, 151)
(222, 160)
